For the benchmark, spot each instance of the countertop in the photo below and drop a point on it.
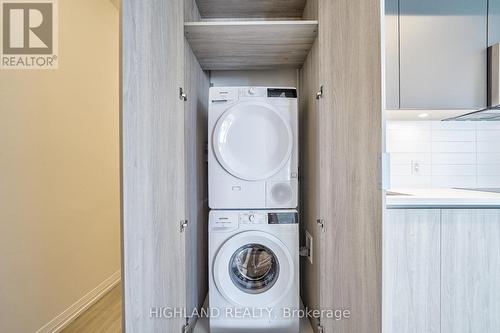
(442, 198)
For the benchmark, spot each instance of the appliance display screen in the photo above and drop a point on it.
(283, 93)
(283, 218)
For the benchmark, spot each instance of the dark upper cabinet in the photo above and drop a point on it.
(494, 22)
(442, 54)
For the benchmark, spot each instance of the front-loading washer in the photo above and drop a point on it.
(254, 271)
(252, 148)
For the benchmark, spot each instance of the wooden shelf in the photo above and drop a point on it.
(229, 45)
(251, 8)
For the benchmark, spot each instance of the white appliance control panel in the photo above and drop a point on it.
(253, 218)
(253, 92)
(259, 217)
(230, 220)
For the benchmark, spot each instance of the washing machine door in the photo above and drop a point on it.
(252, 141)
(253, 269)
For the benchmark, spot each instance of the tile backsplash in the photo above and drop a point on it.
(444, 154)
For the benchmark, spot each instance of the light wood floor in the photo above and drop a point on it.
(105, 316)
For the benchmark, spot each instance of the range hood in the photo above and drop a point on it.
(494, 76)
(492, 113)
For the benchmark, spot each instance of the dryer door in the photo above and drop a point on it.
(253, 269)
(252, 141)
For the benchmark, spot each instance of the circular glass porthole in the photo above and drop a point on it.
(252, 141)
(254, 268)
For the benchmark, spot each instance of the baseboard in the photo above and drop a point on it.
(71, 313)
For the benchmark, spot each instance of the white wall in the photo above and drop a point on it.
(59, 171)
(268, 78)
(449, 154)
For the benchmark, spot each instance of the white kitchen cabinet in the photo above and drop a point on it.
(470, 271)
(411, 291)
(169, 48)
(441, 270)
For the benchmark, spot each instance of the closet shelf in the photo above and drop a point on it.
(239, 45)
(251, 8)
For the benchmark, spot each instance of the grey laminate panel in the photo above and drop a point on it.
(443, 54)
(251, 9)
(311, 10)
(392, 54)
(309, 141)
(494, 22)
(470, 271)
(242, 45)
(411, 274)
(350, 131)
(153, 165)
(196, 87)
(191, 12)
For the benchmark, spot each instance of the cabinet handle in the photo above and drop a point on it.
(319, 94)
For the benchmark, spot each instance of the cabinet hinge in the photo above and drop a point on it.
(319, 94)
(187, 328)
(183, 225)
(321, 223)
(182, 95)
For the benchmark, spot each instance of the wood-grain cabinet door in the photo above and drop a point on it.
(411, 278)
(153, 165)
(350, 144)
(470, 273)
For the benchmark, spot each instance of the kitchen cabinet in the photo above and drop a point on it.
(442, 55)
(441, 269)
(411, 271)
(470, 261)
(494, 22)
(169, 50)
(392, 54)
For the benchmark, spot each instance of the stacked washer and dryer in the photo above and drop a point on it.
(253, 222)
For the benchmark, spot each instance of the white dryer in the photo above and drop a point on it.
(254, 271)
(252, 148)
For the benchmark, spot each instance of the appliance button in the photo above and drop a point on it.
(251, 218)
(251, 91)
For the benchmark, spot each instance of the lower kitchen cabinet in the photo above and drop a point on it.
(411, 271)
(441, 271)
(470, 271)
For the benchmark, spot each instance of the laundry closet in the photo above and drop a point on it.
(172, 52)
